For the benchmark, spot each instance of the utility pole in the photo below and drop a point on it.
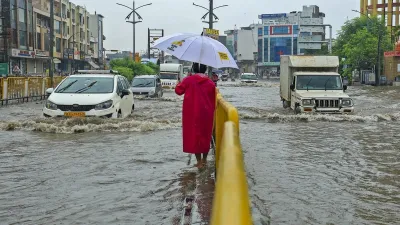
(134, 22)
(211, 14)
(51, 69)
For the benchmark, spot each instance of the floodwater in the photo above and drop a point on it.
(302, 169)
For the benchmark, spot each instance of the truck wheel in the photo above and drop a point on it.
(285, 104)
(297, 110)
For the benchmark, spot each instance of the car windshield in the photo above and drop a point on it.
(319, 82)
(249, 77)
(85, 85)
(143, 82)
(168, 76)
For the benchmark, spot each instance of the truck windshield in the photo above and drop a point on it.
(319, 82)
(169, 76)
(249, 77)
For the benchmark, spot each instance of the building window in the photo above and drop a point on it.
(31, 41)
(22, 39)
(281, 30)
(260, 52)
(266, 49)
(296, 29)
(22, 4)
(266, 30)
(58, 45)
(57, 27)
(280, 46)
(38, 41)
(22, 19)
(47, 42)
(260, 33)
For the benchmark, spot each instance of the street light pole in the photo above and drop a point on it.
(134, 22)
(210, 16)
(51, 69)
(378, 63)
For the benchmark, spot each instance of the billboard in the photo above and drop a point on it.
(272, 16)
(214, 34)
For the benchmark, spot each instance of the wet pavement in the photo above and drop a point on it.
(302, 169)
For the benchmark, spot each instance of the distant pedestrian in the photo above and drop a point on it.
(197, 113)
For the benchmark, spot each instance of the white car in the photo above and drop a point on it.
(91, 94)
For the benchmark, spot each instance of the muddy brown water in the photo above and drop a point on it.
(302, 169)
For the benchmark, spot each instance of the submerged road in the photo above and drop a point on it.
(302, 169)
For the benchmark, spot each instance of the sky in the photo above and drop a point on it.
(175, 16)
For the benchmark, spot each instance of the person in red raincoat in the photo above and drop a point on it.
(197, 112)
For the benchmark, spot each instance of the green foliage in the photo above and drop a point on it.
(129, 68)
(357, 43)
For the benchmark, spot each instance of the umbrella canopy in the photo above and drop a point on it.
(197, 48)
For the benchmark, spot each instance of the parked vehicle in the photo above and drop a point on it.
(248, 78)
(224, 77)
(91, 93)
(147, 85)
(313, 84)
(170, 74)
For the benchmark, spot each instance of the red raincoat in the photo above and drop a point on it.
(197, 113)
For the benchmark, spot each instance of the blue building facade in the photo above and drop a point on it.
(276, 40)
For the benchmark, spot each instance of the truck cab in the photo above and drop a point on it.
(170, 73)
(312, 84)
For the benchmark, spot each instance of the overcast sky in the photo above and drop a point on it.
(181, 16)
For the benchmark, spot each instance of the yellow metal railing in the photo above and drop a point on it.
(231, 204)
(23, 88)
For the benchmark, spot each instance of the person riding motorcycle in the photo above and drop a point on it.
(215, 78)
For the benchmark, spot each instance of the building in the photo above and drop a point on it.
(242, 45)
(97, 37)
(288, 34)
(390, 8)
(25, 40)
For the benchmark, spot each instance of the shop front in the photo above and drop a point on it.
(41, 61)
(19, 61)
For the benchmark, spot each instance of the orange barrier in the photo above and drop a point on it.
(15, 88)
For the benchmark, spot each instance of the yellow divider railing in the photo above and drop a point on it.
(24, 88)
(231, 204)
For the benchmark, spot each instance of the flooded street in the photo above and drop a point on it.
(302, 169)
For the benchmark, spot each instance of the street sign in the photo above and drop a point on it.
(211, 33)
(3, 69)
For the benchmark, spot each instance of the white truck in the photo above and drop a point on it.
(312, 84)
(170, 73)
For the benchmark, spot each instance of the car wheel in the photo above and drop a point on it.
(119, 115)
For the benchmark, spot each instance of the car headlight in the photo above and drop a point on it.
(347, 102)
(104, 105)
(51, 105)
(308, 102)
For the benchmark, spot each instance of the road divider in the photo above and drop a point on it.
(231, 203)
(24, 89)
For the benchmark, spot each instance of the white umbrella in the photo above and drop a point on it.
(197, 48)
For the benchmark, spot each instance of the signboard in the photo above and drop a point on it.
(272, 16)
(22, 53)
(392, 53)
(269, 64)
(214, 34)
(41, 54)
(3, 69)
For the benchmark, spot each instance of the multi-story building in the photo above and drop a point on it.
(242, 44)
(289, 34)
(25, 43)
(17, 37)
(97, 37)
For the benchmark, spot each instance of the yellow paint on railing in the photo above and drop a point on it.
(1, 87)
(15, 87)
(231, 204)
(35, 86)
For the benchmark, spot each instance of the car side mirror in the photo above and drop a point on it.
(344, 87)
(125, 92)
(49, 91)
(292, 87)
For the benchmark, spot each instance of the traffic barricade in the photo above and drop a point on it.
(16, 89)
(35, 88)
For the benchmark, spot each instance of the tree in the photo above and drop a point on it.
(129, 68)
(357, 43)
